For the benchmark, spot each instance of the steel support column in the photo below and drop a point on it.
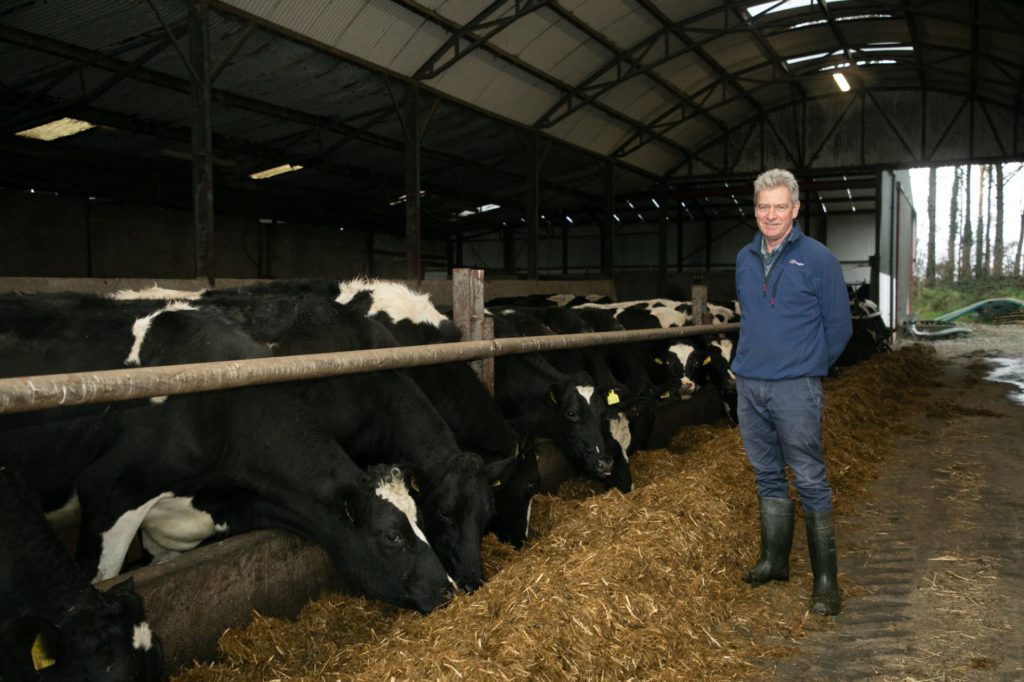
(413, 247)
(662, 243)
(532, 205)
(608, 222)
(202, 138)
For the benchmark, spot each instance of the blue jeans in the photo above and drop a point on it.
(780, 422)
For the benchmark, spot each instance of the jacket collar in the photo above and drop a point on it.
(794, 235)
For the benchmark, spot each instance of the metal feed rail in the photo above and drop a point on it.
(25, 394)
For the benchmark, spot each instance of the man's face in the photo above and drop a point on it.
(775, 211)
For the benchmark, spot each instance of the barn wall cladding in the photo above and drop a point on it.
(46, 235)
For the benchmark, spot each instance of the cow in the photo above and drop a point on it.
(584, 363)
(542, 401)
(870, 334)
(229, 461)
(385, 411)
(675, 365)
(627, 363)
(54, 625)
(456, 392)
(545, 300)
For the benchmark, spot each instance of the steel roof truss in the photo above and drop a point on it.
(465, 40)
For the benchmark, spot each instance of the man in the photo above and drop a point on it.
(795, 323)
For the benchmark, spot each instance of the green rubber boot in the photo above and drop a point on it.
(821, 543)
(776, 541)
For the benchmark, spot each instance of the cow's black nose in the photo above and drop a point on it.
(604, 466)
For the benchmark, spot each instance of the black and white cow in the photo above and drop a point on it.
(870, 333)
(53, 624)
(229, 461)
(457, 394)
(545, 300)
(675, 366)
(386, 412)
(589, 366)
(544, 402)
(627, 363)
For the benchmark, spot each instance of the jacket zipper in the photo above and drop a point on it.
(764, 284)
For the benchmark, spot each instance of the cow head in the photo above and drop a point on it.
(681, 367)
(386, 554)
(514, 481)
(457, 506)
(98, 636)
(576, 412)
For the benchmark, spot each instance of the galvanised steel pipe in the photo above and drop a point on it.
(25, 394)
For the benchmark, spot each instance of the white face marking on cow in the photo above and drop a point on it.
(683, 352)
(397, 300)
(724, 345)
(141, 326)
(142, 637)
(117, 538)
(667, 317)
(175, 524)
(529, 508)
(156, 293)
(586, 391)
(393, 490)
(619, 428)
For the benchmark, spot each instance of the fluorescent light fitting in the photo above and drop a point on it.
(487, 207)
(54, 130)
(841, 81)
(402, 198)
(568, 219)
(276, 170)
(655, 202)
(616, 216)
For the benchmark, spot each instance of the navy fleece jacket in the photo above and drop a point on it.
(796, 321)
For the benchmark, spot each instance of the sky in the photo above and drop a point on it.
(1013, 204)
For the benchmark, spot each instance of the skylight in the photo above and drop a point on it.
(807, 57)
(54, 130)
(783, 5)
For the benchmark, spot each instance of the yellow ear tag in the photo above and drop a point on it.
(613, 397)
(659, 361)
(40, 659)
(707, 361)
(664, 395)
(496, 484)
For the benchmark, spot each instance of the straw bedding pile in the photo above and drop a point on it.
(610, 586)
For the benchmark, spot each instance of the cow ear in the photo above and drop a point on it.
(31, 644)
(499, 470)
(350, 504)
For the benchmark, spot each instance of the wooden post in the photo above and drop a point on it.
(699, 302)
(468, 314)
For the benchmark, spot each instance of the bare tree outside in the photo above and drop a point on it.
(929, 270)
(954, 221)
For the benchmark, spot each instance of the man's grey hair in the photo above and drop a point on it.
(777, 177)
